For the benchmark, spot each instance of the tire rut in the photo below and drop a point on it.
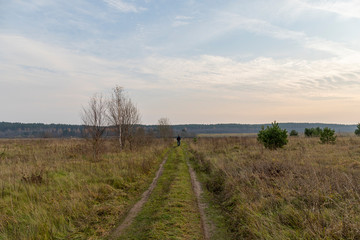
(138, 206)
(207, 225)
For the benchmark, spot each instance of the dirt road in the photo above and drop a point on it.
(137, 207)
(171, 207)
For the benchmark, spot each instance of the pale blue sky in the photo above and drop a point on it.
(191, 61)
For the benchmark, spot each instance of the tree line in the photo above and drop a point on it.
(40, 130)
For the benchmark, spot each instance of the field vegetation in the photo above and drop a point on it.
(305, 190)
(53, 189)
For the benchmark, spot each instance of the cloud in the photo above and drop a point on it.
(235, 21)
(224, 24)
(181, 21)
(180, 17)
(344, 8)
(52, 82)
(288, 77)
(61, 80)
(27, 62)
(124, 6)
(42, 63)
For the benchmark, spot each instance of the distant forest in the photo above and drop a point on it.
(40, 130)
(255, 128)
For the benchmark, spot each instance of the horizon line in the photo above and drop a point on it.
(144, 124)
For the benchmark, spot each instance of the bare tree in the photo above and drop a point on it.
(115, 111)
(94, 121)
(131, 118)
(123, 115)
(165, 130)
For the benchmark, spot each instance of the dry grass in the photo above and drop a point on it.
(217, 135)
(307, 190)
(52, 189)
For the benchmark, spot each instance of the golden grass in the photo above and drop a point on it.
(216, 135)
(52, 189)
(306, 190)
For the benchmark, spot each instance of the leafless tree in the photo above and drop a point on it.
(165, 130)
(94, 121)
(131, 118)
(123, 115)
(115, 111)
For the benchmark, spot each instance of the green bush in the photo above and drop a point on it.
(313, 132)
(357, 131)
(294, 133)
(307, 132)
(327, 135)
(273, 137)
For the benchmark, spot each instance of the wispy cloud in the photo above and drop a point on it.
(123, 6)
(181, 21)
(63, 71)
(225, 23)
(178, 23)
(345, 8)
(234, 21)
(180, 17)
(288, 77)
(333, 76)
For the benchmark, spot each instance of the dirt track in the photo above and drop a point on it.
(207, 225)
(137, 207)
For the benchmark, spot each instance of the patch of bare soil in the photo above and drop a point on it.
(137, 207)
(207, 225)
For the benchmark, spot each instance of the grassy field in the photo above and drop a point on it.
(306, 190)
(52, 189)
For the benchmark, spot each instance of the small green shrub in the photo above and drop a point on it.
(313, 132)
(327, 135)
(273, 137)
(357, 131)
(307, 132)
(294, 133)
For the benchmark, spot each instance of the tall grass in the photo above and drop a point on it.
(307, 190)
(52, 189)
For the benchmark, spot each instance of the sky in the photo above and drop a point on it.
(228, 61)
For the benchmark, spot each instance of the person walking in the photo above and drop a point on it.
(178, 140)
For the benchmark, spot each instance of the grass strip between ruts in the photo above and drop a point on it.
(171, 212)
